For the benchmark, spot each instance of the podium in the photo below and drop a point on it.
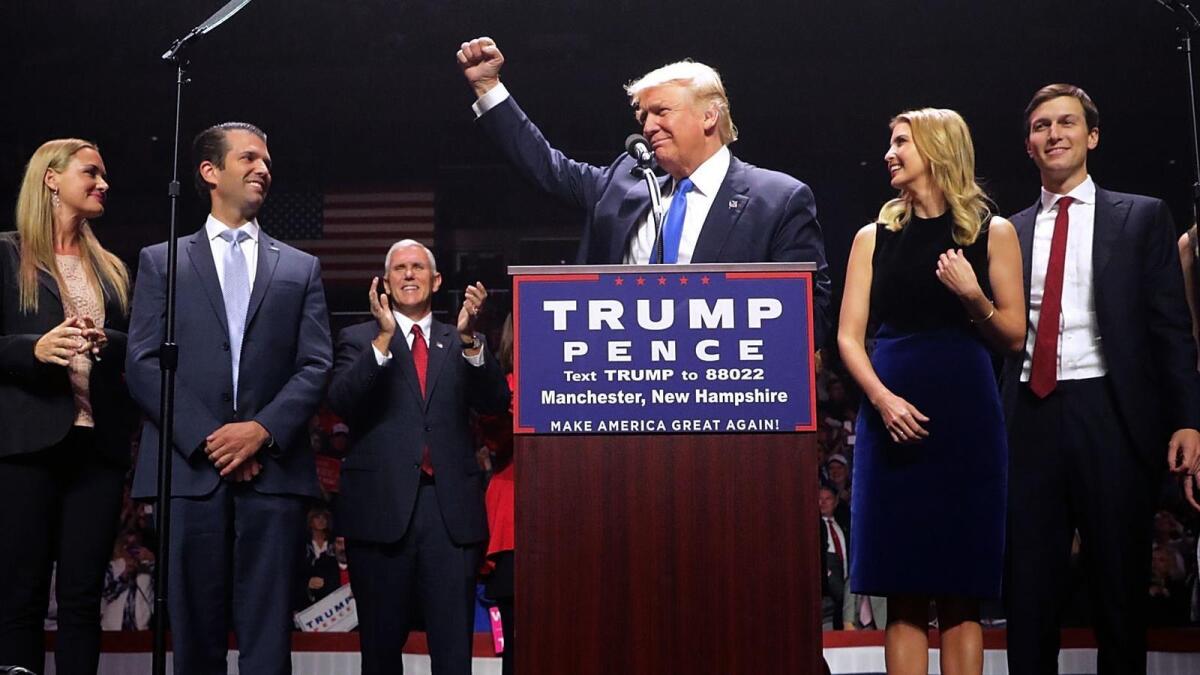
(666, 470)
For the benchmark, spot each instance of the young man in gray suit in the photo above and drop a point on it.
(254, 359)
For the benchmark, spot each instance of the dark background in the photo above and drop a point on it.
(366, 93)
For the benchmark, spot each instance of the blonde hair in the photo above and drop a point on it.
(943, 141)
(35, 226)
(701, 81)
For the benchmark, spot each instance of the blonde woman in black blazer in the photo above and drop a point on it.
(64, 449)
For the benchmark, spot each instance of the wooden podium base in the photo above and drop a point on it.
(656, 554)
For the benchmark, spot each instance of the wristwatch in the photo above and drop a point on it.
(475, 343)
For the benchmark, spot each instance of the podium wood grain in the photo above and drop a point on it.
(653, 554)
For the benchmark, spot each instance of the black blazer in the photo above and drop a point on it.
(1145, 326)
(390, 425)
(37, 407)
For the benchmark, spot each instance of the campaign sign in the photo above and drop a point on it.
(663, 349)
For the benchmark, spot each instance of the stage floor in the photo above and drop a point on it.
(1172, 652)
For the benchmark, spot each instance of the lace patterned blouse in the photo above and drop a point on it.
(80, 299)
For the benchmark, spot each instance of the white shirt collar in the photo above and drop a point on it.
(1084, 193)
(707, 177)
(404, 324)
(213, 228)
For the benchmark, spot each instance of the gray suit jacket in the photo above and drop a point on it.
(285, 362)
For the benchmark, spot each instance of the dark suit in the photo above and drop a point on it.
(412, 542)
(285, 361)
(1091, 454)
(835, 584)
(757, 215)
(62, 484)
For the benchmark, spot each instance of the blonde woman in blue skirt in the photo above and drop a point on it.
(940, 278)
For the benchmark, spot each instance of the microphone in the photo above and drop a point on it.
(639, 149)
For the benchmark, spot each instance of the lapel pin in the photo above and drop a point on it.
(733, 203)
(439, 345)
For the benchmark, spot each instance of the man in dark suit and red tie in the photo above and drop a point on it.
(718, 208)
(254, 359)
(411, 502)
(1105, 390)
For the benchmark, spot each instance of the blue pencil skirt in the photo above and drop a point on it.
(929, 518)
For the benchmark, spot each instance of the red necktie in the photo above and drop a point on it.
(1043, 374)
(420, 354)
(837, 544)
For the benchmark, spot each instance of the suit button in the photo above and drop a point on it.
(224, 346)
(428, 428)
(226, 397)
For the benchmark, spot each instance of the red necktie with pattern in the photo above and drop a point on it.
(1043, 373)
(420, 355)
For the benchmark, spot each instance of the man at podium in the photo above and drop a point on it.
(718, 208)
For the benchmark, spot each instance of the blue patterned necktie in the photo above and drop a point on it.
(237, 297)
(672, 230)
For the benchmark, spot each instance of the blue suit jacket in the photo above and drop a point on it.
(758, 215)
(390, 425)
(286, 357)
(1145, 326)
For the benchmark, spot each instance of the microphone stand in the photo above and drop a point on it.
(1187, 25)
(656, 209)
(168, 355)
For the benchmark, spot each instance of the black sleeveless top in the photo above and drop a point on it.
(905, 291)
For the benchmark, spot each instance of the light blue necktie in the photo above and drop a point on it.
(672, 230)
(237, 297)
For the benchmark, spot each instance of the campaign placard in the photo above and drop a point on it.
(664, 349)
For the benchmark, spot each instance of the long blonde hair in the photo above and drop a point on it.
(35, 225)
(944, 142)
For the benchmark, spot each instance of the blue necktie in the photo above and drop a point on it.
(237, 297)
(672, 230)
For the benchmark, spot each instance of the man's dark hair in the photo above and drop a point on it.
(1091, 113)
(210, 145)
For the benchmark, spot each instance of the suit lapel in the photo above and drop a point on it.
(441, 343)
(727, 206)
(1023, 222)
(199, 255)
(631, 213)
(1111, 215)
(47, 280)
(268, 258)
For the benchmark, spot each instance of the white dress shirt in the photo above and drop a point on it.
(707, 179)
(1079, 353)
(213, 228)
(404, 326)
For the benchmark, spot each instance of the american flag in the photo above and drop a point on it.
(350, 231)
